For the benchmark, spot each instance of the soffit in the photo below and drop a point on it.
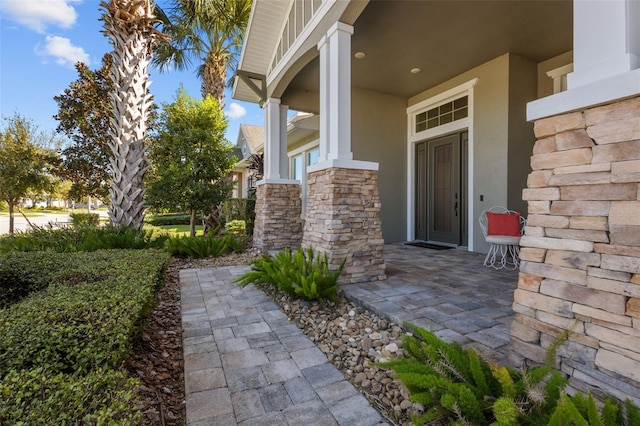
(263, 31)
(445, 39)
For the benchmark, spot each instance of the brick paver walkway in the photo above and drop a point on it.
(246, 364)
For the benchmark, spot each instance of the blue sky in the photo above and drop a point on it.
(41, 40)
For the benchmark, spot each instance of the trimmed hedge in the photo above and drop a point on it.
(22, 273)
(65, 345)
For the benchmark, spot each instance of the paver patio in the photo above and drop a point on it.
(246, 364)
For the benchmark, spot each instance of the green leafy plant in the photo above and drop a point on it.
(457, 385)
(81, 220)
(38, 397)
(236, 227)
(297, 273)
(583, 410)
(198, 247)
(236, 243)
(86, 238)
(62, 348)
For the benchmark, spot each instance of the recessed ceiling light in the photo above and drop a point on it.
(415, 70)
(360, 55)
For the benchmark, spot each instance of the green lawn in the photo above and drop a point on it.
(173, 230)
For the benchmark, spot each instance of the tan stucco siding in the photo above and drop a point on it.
(522, 89)
(378, 133)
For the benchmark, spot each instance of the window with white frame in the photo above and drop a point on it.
(442, 114)
(299, 160)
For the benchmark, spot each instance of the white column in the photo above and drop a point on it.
(335, 101)
(283, 159)
(276, 162)
(272, 139)
(606, 40)
(323, 47)
(339, 36)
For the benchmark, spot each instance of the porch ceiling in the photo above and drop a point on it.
(444, 39)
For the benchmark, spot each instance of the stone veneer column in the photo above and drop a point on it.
(343, 220)
(581, 249)
(278, 223)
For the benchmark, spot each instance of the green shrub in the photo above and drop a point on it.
(456, 385)
(86, 317)
(23, 273)
(240, 209)
(81, 220)
(236, 227)
(169, 219)
(88, 238)
(38, 397)
(62, 348)
(198, 247)
(297, 273)
(583, 410)
(236, 243)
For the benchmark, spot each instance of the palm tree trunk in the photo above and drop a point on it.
(129, 25)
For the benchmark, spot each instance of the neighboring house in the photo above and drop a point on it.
(250, 141)
(431, 112)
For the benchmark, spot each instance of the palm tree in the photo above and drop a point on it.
(209, 32)
(129, 24)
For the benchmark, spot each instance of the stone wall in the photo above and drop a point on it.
(278, 223)
(581, 249)
(343, 220)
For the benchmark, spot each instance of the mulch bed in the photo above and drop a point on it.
(157, 359)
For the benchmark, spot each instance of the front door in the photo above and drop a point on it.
(441, 189)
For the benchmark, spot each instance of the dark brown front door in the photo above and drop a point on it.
(441, 210)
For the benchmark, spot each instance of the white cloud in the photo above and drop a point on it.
(235, 111)
(63, 51)
(38, 14)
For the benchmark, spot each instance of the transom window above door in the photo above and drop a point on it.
(442, 114)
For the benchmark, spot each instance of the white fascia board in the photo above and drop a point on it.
(598, 93)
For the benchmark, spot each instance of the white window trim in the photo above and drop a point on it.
(413, 137)
(304, 150)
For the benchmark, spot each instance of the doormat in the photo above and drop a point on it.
(427, 245)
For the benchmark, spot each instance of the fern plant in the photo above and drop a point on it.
(298, 273)
(582, 410)
(198, 247)
(458, 386)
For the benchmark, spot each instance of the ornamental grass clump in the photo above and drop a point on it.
(299, 273)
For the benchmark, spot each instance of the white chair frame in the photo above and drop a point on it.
(504, 252)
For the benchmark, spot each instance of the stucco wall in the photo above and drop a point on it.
(378, 133)
(522, 89)
(490, 135)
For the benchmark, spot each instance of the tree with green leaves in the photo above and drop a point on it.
(191, 158)
(207, 32)
(26, 162)
(84, 111)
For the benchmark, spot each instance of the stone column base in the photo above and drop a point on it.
(343, 220)
(278, 223)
